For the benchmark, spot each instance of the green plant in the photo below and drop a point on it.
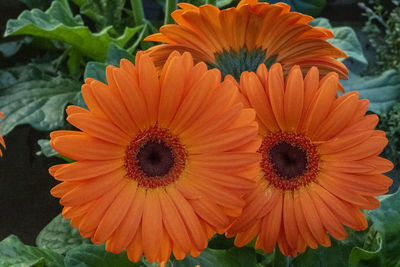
(383, 30)
(390, 123)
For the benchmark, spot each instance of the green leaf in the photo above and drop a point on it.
(310, 7)
(9, 49)
(103, 12)
(45, 148)
(14, 253)
(221, 242)
(280, 260)
(95, 256)
(223, 3)
(145, 263)
(362, 246)
(336, 255)
(29, 95)
(60, 236)
(58, 23)
(233, 257)
(74, 61)
(386, 220)
(345, 38)
(115, 54)
(382, 91)
(370, 250)
(96, 70)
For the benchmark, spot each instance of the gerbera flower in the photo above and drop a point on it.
(320, 162)
(2, 143)
(240, 39)
(161, 163)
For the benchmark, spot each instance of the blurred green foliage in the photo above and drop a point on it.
(383, 30)
(390, 122)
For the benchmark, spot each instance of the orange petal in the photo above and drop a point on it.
(113, 106)
(258, 99)
(348, 214)
(174, 223)
(152, 228)
(210, 213)
(172, 88)
(312, 218)
(130, 225)
(322, 105)
(243, 238)
(293, 98)
(328, 219)
(115, 213)
(301, 221)
(276, 94)
(92, 189)
(99, 128)
(192, 223)
(338, 118)
(149, 84)
(82, 170)
(134, 99)
(85, 147)
(290, 230)
(135, 248)
(91, 220)
(270, 227)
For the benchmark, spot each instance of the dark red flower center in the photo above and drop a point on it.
(155, 158)
(289, 160)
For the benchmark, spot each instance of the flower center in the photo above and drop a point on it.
(233, 63)
(289, 160)
(155, 158)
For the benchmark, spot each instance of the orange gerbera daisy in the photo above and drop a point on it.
(161, 163)
(240, 39)
(2, 143)
(320, 162)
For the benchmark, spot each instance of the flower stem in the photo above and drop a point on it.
(170, 6)
(138, 12)
(211, 2)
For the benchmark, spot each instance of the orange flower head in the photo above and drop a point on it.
(2, 143)
(162, 162)
(239, 39)
(320, 161)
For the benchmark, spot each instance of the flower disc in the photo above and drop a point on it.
(241, 38)
(162, 162)
(320, 161)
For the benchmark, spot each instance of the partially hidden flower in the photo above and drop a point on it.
(320, 162)
(2, 143)
(240, 39)
(161, 162)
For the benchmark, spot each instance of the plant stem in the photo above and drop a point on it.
(170, 6)
(211, 2)
(138, 12)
